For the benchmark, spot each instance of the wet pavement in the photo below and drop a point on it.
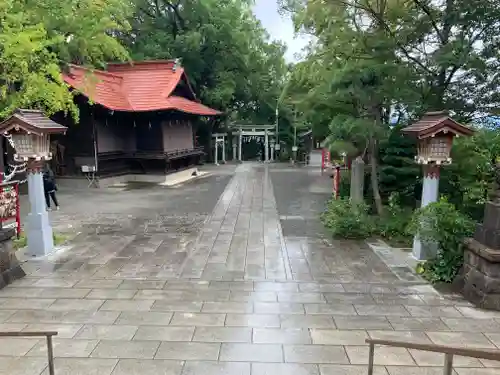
(231, 274)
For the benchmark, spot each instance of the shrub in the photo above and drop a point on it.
(393, 225)
(440, 224)
(345, 184)
(348, 220)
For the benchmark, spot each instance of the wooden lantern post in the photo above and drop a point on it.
(434, 132)
(30, 131)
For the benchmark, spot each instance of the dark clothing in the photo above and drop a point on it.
(50, 187)
(52, 195)
(49, 181)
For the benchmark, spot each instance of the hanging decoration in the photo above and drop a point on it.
(15, 169)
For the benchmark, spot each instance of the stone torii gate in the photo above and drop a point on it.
(239, 131)
(219, 139)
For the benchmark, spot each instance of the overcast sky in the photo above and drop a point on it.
(279, 27)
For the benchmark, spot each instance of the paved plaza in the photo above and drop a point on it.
(231, 274)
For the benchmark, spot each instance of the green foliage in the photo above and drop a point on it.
(22, 241)
(345, 184)
(441, 224)
(467, 180)
(353, 221)
(393, 224)
(345, 219)
(39, 38)
(398, 170)
(399, 58)
(227, 54)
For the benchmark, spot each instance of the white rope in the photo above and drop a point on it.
(20, 168)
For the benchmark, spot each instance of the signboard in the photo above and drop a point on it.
(277, 146)
(9, 205)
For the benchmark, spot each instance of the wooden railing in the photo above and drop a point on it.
(448, 351)
(47, 334)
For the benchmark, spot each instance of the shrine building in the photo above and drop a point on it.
(135, 119)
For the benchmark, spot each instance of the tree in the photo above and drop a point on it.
(39, 38)
(356, 77)
(398, 171)
(415, 55)
(452, 45)
(227, 54)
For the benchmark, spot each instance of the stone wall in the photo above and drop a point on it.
(480, 276)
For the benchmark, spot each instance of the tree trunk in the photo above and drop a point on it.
(374, 177)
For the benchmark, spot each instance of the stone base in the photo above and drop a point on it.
(10, 269)
(480, 276)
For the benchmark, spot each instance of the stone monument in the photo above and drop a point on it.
(357, 180)
(480, 276)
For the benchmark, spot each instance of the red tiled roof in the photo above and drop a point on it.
(141, 87)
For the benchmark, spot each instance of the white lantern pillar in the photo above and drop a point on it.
(430, 194)
(39, 232)
(271, 149)
(434, 133)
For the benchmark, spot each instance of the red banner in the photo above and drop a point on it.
(9, 204)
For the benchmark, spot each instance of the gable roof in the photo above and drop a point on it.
(138, 87)
(33, 120)
(435, 122)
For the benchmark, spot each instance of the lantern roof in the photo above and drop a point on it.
(433, 123)
(33, 121)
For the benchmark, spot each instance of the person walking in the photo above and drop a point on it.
(49, 187)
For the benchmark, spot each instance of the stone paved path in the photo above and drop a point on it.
(185, 284)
